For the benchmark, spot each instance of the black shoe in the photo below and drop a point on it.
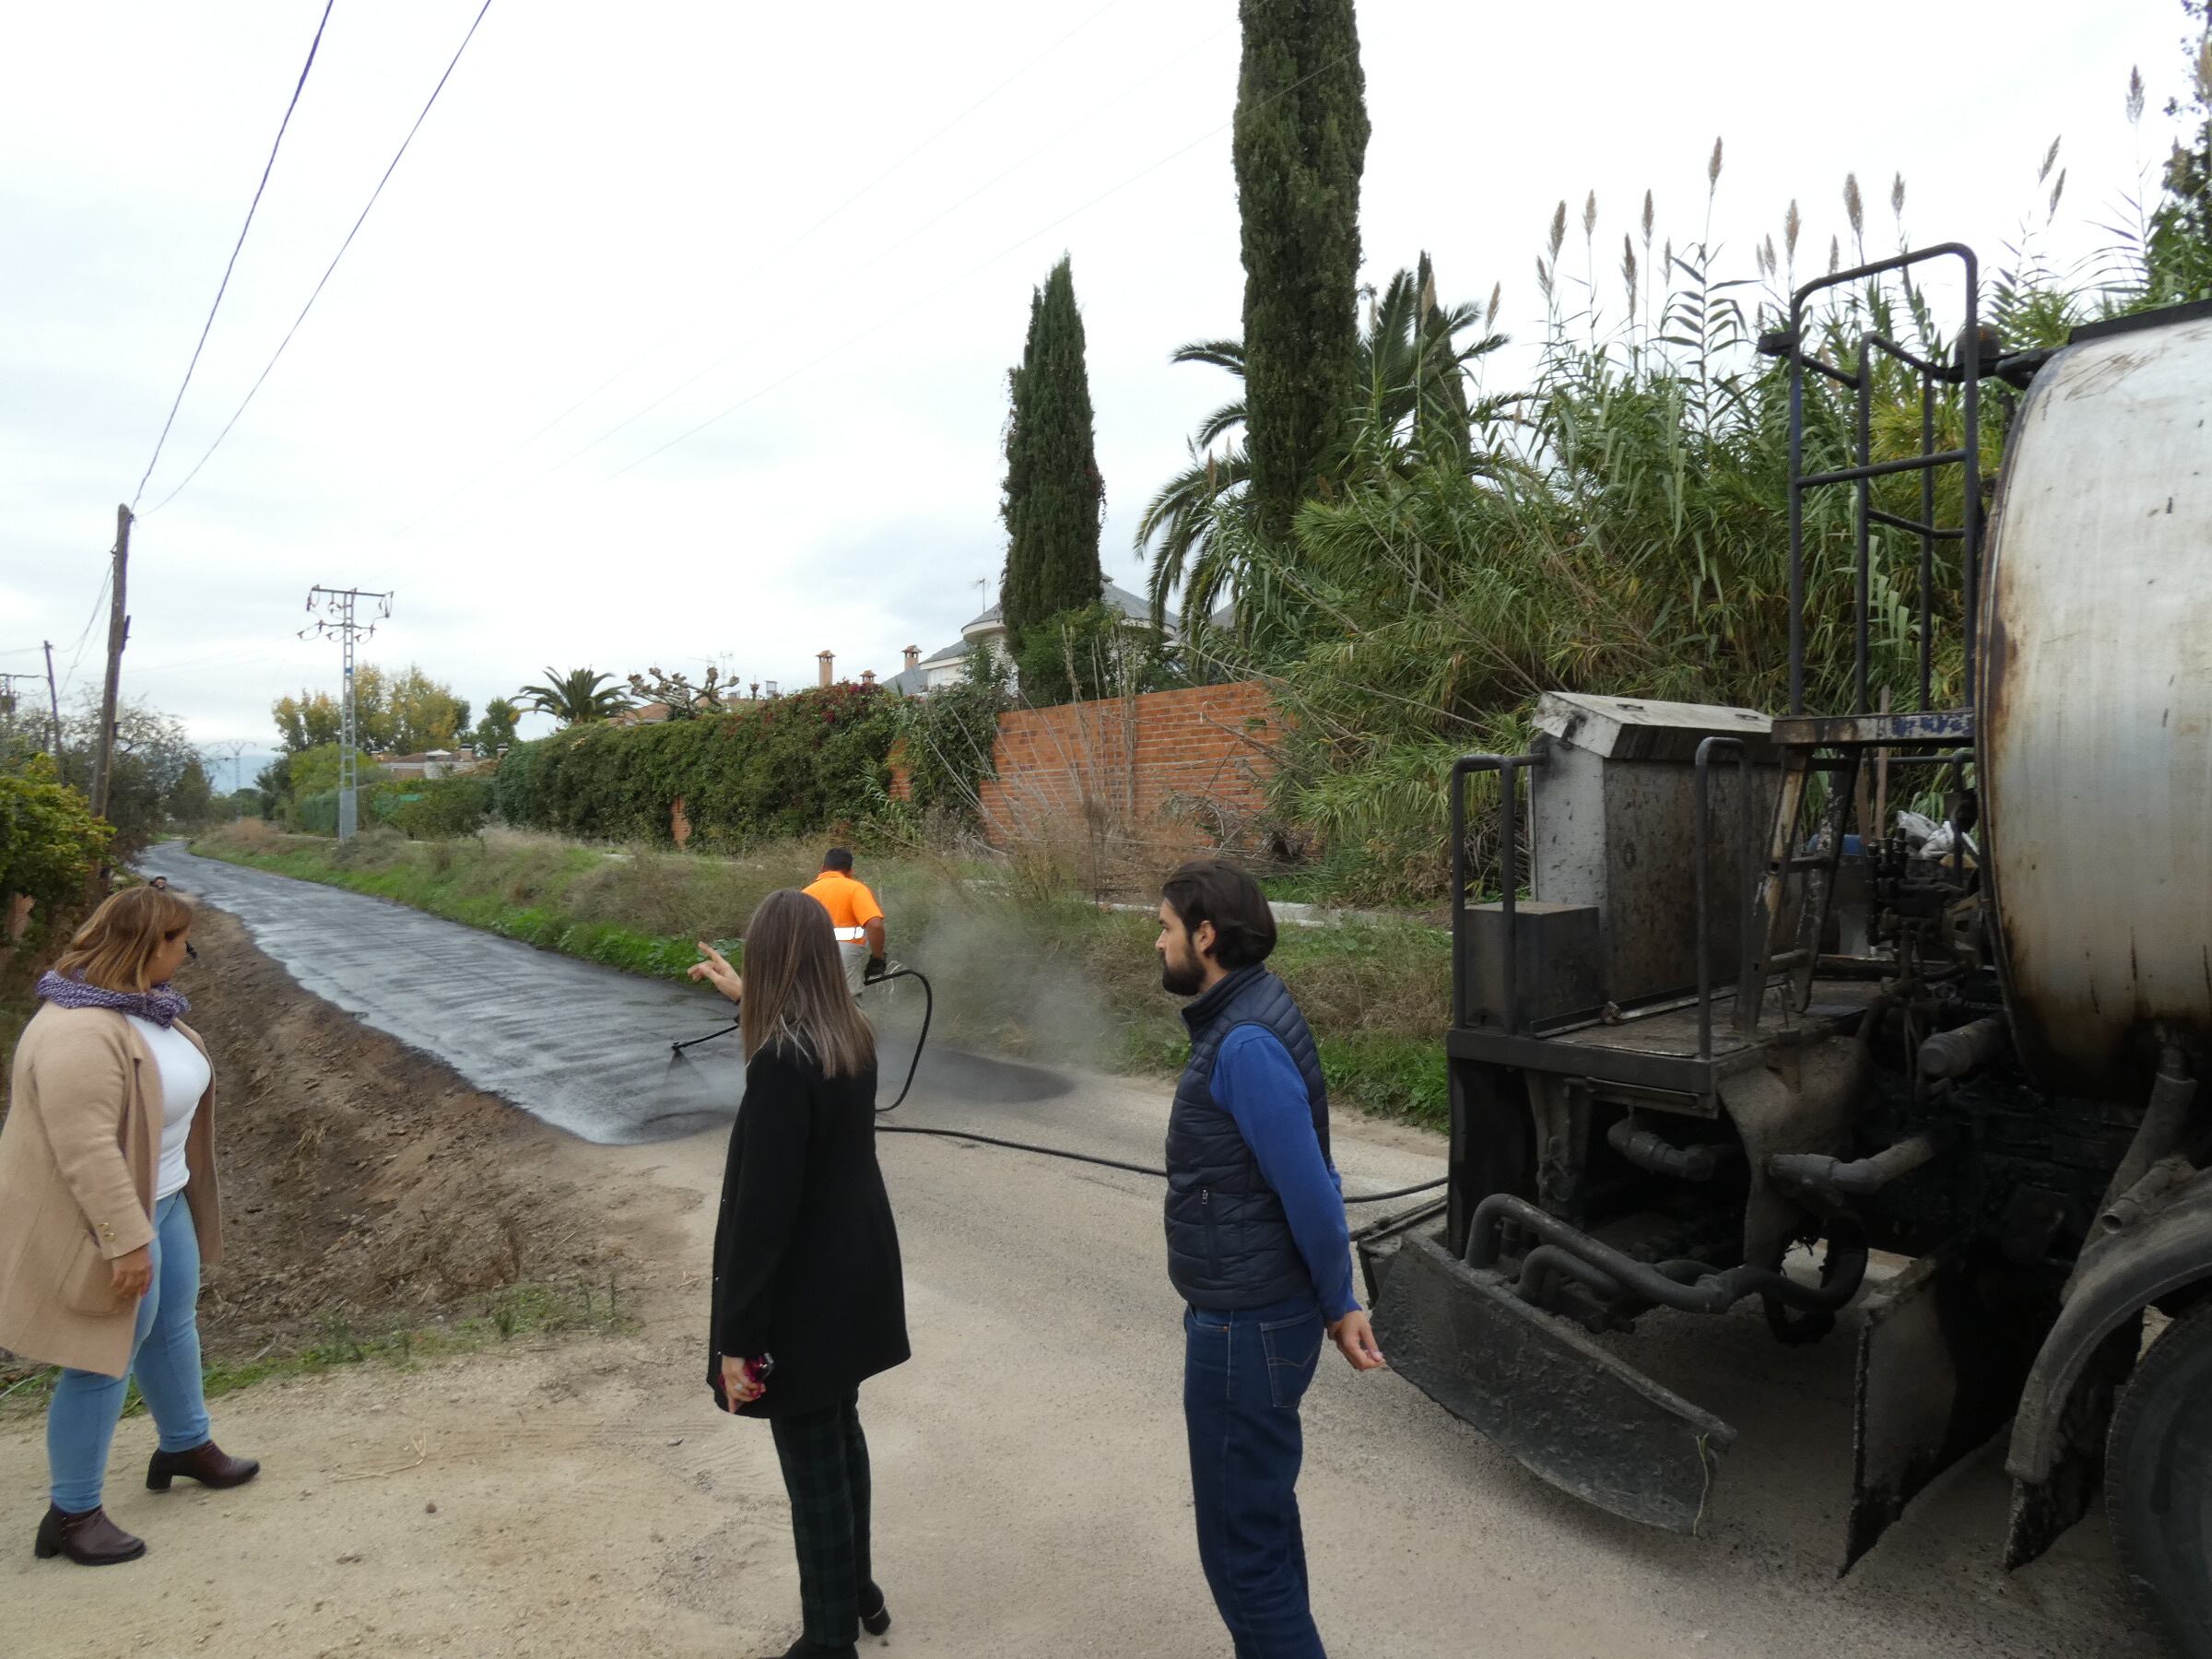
(206, 1463)
(875, 1612)
(804, 1649)
(88, 1537)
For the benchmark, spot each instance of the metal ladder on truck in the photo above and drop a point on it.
(1797, 887)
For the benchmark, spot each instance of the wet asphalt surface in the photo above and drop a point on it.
(585, 1048)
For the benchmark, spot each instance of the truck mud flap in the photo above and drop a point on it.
(1561, 1406)
(1943, 1353)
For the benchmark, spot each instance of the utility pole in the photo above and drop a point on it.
(119, 631)
(54, 702)
(233, 750)
(341, 623)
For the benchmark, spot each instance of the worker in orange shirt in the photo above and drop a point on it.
(855, 915)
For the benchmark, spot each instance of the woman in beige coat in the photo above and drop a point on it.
(107, 1208)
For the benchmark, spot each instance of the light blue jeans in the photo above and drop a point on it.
(165, 1358)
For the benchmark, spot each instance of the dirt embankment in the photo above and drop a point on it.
(365, 1186)
(362, 1182)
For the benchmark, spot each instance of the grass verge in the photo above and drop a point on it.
(510, 1312)
(1019, 967)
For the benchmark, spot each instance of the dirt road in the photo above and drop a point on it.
(581, 1497)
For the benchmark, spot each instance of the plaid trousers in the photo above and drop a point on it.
(825, 1460)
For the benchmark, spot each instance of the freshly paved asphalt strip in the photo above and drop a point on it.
(585, 1048)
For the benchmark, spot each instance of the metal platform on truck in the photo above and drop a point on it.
(1660, 1049)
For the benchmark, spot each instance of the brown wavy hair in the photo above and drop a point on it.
(115, 948)
(796, 989)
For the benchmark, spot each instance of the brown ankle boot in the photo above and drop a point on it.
(205, 1463)
(89, 1539)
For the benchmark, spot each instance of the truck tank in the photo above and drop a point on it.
(2095, 708)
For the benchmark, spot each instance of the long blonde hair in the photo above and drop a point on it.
(114, 949)
(796, 989)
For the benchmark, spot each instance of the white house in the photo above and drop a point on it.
(948, 666)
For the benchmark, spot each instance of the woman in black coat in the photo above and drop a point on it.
(808, 1300)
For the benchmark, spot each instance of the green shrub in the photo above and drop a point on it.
(438, 808)
(50, 842)
(514, 789)
(789, 766)
(317, 814)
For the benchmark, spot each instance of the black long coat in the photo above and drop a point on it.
(805, 1251)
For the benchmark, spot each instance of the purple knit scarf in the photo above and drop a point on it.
(160, 1005)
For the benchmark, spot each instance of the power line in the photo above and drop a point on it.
(69, 675)
(340, 254)
(223, 285)
(758, 269)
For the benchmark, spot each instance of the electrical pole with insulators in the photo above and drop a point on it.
(342, 625)
(119, 632)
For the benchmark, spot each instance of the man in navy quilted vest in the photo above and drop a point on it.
(1257, 1247)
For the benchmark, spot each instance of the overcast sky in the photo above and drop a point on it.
(824, 221)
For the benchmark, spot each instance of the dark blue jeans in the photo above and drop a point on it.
(1243, 1376)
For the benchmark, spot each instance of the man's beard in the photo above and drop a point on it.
(1182, 978)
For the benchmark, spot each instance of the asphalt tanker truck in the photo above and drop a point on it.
(1738, 1037)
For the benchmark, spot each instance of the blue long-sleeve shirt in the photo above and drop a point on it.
(1256, 1079)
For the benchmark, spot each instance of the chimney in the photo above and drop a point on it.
(826, 659)
(867, 677)
(913, 656)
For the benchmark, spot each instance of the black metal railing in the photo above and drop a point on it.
(1971, 363)
(1509, 768)
(1748, 865)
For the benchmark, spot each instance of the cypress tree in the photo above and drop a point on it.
(1054, 496)
(1300, 145)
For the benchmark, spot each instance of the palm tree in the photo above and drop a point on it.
(575, 697)
(1413, 412)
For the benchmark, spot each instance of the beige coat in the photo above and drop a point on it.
(78, 1155)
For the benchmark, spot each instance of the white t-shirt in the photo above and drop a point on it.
(184, 1078)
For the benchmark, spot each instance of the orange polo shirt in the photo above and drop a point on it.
(850, 906)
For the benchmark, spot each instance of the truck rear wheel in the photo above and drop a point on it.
(2157, 1483)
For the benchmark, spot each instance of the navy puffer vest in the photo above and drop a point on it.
(1230, 1245)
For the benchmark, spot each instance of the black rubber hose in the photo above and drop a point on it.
(1714, 1292)
(1648, 1149)
(929, 1009)
(929, 1012)
(1115, 1163)
(1862, 1177)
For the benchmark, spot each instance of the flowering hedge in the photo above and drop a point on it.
(786, 766)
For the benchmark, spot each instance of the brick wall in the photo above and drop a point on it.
(1203, 755)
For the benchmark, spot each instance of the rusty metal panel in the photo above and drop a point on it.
(1613, 825)
(1557, 968)
(2095, 705)
(1902, 731)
